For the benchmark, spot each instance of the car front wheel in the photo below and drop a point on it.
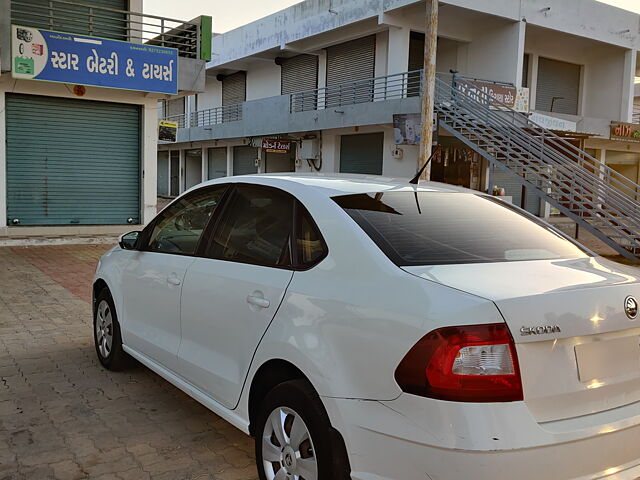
(294, 438)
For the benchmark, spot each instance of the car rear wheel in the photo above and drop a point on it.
(106, 333)
(294, 438)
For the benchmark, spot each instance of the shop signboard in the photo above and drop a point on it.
(274, 145)
(167, 131)
(627, 132)
(553, 123)
(501, 94)
(79, 59)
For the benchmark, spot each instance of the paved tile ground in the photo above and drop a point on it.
(63, 417)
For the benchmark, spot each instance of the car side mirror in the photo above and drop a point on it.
(128, 241)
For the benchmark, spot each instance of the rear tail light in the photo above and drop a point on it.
(471, 363)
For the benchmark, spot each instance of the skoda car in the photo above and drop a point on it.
(369, 328)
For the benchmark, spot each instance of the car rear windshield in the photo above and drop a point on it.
(436, 228)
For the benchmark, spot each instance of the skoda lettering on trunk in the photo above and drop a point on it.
(539, 330)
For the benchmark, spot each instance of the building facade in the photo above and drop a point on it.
(330, 76)
(79, 87)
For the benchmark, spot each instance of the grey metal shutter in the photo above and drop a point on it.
(244, 160)
(234, 88)
(163, 174)
(72, 161)
(349, 61)
(560, 80)
(299, 73)
(217, 162)
(72, 18)
(361, 153)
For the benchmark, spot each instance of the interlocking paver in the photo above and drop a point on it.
(63, 417)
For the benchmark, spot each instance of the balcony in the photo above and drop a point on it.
(192, 38)
(636, 113)
(364, 102)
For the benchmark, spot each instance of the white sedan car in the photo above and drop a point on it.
(367, 328)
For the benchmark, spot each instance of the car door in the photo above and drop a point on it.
(152, 279)
(230, 297)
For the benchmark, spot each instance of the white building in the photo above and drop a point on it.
(578, 58)
(78, 146)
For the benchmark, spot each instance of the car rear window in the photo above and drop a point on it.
(436, 228)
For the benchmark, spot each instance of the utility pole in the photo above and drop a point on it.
(428, 84)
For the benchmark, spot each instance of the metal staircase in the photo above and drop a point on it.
(584, 189)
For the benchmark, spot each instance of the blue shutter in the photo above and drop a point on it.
(72, 161)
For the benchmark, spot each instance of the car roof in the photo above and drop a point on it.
(336, 184)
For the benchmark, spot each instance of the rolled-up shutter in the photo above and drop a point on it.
(559, 80)
(353, 60)
(299, 73)
(234, 88)
(72, 161)
(244, 160)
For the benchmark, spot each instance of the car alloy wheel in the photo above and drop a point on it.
(104, 329)
(287, 447)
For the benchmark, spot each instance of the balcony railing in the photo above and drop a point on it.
(83, 19)
(215, 116)
(205, 118)
(389, 87)
(636, 113)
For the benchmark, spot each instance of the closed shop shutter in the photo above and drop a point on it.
(559, 80)
(361, 153)
(72, 161)
(234, 88)
(350, 61)
(163, 174)
(75, 18)
(513, 189)
(244, 160)
(217, 162)
(299, 73)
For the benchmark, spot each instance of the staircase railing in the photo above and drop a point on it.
(579, 185)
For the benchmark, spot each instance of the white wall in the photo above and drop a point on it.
(263, 80)
(602, 91)
(149, 136)
(212, 96)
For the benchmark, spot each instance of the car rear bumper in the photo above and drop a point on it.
(415, 438)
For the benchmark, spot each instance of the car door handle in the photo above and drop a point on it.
(173, 279)
(258, 301)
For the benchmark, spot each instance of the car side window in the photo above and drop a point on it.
(180, 226)
(310, 246)
(256, 227)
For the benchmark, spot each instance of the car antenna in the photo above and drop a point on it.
(416, 179)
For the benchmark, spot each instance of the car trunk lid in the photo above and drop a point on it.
(578, 349)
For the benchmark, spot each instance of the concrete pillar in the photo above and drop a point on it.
(398, 50)
(182, 171)
(330, 153)
(322, 77)
(205, 164)
(149, 161)
(628, 90)
(534, 81)
(229, 161)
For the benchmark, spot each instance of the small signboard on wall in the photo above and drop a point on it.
(167, 131)
(628, 132)
(274, 145)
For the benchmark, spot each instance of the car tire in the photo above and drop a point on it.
(106, 333)
(293, 432)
